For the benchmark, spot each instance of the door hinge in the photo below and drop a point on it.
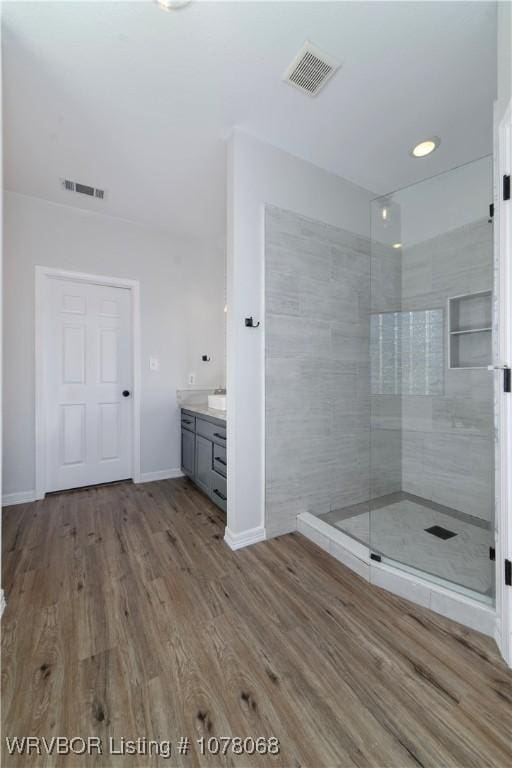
(375, 557)
(508, 573)
(506, 187)
(492, 553)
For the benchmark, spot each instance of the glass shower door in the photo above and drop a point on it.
(431, 402)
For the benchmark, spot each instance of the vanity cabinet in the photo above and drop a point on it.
(188, 452)
(203, 454)
(219, 491)
(219, 459)
(203, 464)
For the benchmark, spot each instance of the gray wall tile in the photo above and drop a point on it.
(317, 297)
(330, 443)
(447, 445)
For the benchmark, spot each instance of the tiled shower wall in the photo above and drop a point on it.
(317, 296)
(447, 438)
(317, 281)
(431, 435)
(385, 398)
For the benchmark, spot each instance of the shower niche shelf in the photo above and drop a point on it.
(470, 330)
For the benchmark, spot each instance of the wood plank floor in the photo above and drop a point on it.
(128, 616)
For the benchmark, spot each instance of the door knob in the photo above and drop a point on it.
(126, 393)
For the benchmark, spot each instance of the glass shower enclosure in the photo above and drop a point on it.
(379, 405)
(430, 394)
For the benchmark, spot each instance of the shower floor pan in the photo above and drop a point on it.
(455, 549)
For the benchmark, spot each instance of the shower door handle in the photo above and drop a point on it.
(507, 375)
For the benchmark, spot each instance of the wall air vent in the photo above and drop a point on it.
(311, 69)
(83, 189)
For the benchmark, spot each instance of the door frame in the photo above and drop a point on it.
(42, 276)
(503, 401)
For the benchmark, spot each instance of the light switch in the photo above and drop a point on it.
(154, 364)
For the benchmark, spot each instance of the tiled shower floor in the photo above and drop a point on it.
(394, 527)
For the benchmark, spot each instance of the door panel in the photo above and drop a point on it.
(87, 364)
(110, 428)
(188, 452)
(73, 354)
(204, 453)
(109, 344)
(73, 304)
(73, 449)
(109, 308)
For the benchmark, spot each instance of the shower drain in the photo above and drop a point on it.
(440, 532)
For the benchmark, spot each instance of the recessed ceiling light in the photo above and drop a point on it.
(425, 147)
(171, 5)
(397, 245)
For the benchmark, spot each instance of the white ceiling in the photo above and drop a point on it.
(138, 101)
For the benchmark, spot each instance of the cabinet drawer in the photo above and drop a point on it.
(188, 422)
(219, 459)
(211, 431)
(219, 491)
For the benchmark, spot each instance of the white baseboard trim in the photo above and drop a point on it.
(244, 539)
(438, 598)
(161, 474)
(2, 602)
(22, 497)
(497, 633)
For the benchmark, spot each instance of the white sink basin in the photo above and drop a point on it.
(217, 401)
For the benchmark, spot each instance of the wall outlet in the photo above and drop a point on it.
(191, 378)
(154, 364)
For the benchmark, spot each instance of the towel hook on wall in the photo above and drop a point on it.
(249, 322)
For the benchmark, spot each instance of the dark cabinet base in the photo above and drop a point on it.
(203, 455)
(188, 452)
(219, 491)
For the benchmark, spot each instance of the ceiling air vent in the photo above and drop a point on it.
(311, 69)
(83, 189)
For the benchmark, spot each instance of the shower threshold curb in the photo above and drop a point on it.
(458, 606)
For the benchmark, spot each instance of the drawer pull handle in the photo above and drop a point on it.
(217, 434)
(184, 421)
(220, 495)
(221, 461)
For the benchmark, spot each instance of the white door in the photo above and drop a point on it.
(88, 384)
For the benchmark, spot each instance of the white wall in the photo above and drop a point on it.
(258, 173)
(182, 317)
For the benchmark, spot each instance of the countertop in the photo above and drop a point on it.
(203, 410)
